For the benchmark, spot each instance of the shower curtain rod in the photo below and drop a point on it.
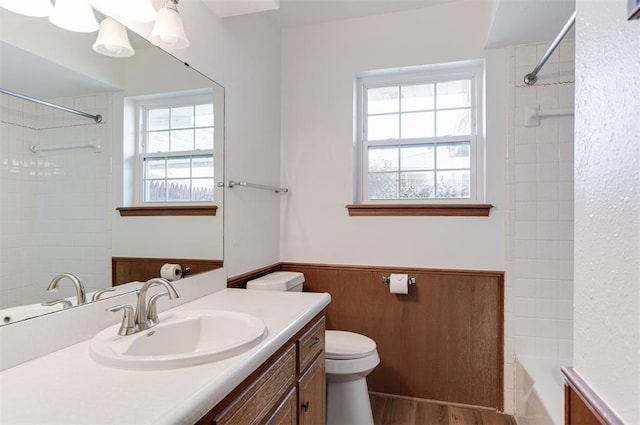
(531, 78)
(96, 118)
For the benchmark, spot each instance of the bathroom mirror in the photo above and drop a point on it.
(63, 176)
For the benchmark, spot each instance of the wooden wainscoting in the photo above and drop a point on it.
(582, 406)
(129, 269)
(442, 341)
(240, 281)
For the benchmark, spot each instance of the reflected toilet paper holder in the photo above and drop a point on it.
(387, 280)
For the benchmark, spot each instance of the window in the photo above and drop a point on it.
(176, 158)
(419, 136)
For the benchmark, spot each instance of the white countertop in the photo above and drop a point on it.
(68, 387)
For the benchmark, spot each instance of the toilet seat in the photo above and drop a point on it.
(342, 345)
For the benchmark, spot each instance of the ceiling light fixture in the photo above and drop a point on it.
(168, 30)
(35, 8)
(74, 15)
(113, 40)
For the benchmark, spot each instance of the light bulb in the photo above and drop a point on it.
(74, 15)
(168, 30)
(112, 40)
(35, 8)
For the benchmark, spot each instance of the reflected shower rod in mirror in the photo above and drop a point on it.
(96, 118)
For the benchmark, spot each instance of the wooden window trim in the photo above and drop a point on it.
(168, 211)
(439, 210)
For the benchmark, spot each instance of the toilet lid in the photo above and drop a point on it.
(342, 345)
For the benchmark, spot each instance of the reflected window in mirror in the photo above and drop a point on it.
(175, 150)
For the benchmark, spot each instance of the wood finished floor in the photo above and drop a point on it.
(389, 410)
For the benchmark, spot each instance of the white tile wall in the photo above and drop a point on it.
(540, 236)
(54, 209)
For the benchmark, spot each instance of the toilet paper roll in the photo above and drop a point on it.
(399, 283)
(171, 271)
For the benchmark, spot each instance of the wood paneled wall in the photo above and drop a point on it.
(582, 406)
(129, 269)
(442, 341)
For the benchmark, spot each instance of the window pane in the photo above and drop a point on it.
(453, 184)
(204, 115)
(202, 166)
(454, 155)
(179, 167)
(417, 124)
(158, 119)
(383, 127)
(181, 140)
(158, 141)
(383, 186)
(454, 94)
(154, 168)
(179, 190)
(417, 185)
(418, 157)
(383, 159)
(204, 138)
(383, 100)
(456, 122)
(155, 191)
(202, 190)
(182, 117)
(417, 98)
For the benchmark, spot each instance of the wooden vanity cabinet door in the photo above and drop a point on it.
(259, 398)
(312, 394)
(286, 413)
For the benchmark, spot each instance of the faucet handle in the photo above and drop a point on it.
(65, 303)
(96, 295)
(152, 310)
(128, 325)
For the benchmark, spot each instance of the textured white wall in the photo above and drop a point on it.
(607, 211)
(319, 64)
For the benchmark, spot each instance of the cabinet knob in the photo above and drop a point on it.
(315, 341)
(305, 406)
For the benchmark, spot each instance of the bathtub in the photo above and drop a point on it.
(23, 312)
(539, 391)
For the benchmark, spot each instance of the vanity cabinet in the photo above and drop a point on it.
(287, 389)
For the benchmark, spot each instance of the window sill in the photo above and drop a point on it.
(452, 210)
(167, 211)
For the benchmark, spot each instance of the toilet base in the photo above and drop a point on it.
(348, 403)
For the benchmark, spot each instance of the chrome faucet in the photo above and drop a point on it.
(98, 294)
(65, 303)
(146, 315)
(80, 291)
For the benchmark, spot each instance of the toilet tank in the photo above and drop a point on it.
(278, 281)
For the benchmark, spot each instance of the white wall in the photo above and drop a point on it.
(539, 272)
(607, 197)
(319, 64)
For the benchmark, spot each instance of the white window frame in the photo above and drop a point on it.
(472, 70)
(171, 101)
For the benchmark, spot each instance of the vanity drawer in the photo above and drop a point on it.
(258, 399)
(310, 344)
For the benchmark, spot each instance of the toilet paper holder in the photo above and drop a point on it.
(387, 280)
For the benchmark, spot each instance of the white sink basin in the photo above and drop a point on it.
(182, 338)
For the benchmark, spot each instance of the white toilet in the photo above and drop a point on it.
(349, 357)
